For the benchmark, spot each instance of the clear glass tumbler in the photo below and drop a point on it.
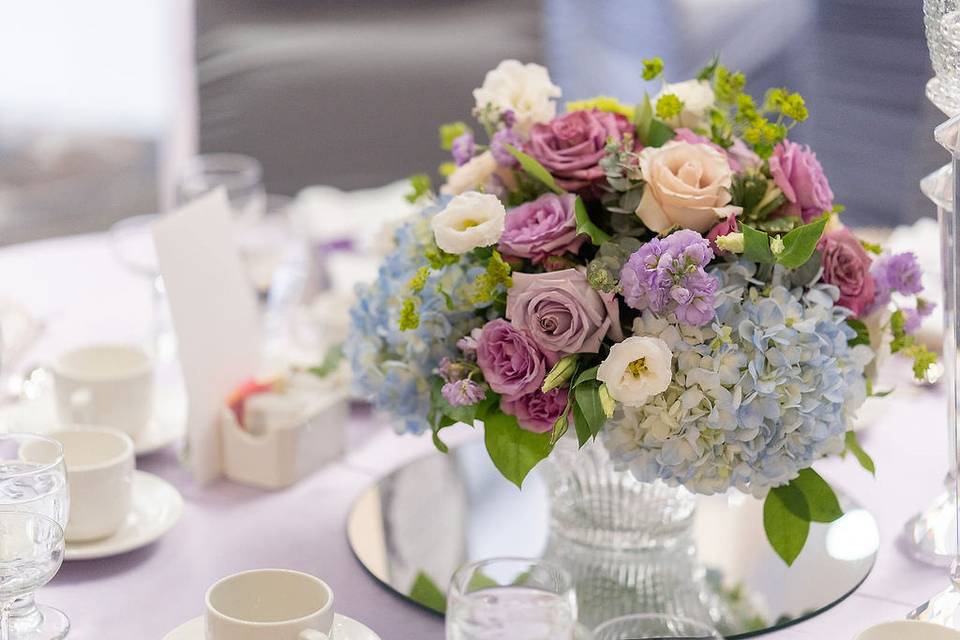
(511, 598)
(241, 176)
(654, 627)
(31, 552)
(33, 480)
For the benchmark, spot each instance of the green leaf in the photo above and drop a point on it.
(331, 360)
(786, 531)
(581, 425)
(426, 592)
(822, 504)
(708, 71)
(534, 169)
(799, 244)
(756, 245)
(587, 398)
(642, 117)
(513, 450)
(659, 134)
(863, 333)
(586, 376)
(586, 226)
(853, 446)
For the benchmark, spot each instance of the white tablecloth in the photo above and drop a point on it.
(79, 290)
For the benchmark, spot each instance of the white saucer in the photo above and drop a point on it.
(344, 628)
(39, 415)
(157, 506)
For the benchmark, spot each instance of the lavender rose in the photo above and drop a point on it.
(796, 170)
(510, 360)
(562, 312)
(537, 411)
(572, 145)
(847, 266)
(544, 227)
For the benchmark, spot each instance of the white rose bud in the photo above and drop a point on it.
(637, 368)
(470, 220)
(525, 89)
(697, 98)
(470, 175)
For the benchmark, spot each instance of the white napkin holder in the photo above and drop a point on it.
(280, 456)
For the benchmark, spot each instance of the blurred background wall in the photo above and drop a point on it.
(101, 100)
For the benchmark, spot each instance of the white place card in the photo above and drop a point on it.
(215, 317)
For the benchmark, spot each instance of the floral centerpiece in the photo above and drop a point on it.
(671, 279)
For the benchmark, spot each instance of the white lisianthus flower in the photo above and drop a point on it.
(470, 175)
(636, 369)
(697, 97)
(470, 220)
(525, 89)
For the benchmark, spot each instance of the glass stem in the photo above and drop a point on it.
(952, 338)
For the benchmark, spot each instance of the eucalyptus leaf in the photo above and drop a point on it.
(534, 169)
(514, 450)
(786, 531)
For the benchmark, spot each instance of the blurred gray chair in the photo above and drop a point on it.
(348, 93)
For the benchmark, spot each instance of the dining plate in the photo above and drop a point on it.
(157, 506)
(344, 628)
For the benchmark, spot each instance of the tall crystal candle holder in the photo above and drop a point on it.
(944, 608)
(931, 535)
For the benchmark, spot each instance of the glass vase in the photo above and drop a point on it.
(595, 505)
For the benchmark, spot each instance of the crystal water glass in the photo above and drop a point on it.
(510, 598)
(33, 480)
(31, 552)
(654, 627)
(241, 176)
(942, 23)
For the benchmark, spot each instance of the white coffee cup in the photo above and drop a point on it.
(107, 384)
(908, 630)
(100, 465)
(269, 604)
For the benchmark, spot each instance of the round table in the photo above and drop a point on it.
(82, 294)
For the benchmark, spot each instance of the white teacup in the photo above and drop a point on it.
(110, 385)
(269, 604)
(908, 630)
(100, 464)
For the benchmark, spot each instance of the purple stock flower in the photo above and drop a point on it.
(913, 318)
(667, 276)
(462, 148)
(462, 393)
(899, 273)
(497, 146)
(509, 118)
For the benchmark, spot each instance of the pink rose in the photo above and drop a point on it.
(739, 155)
(537, 411)
(562, 312)
(510, 360)
(541, 228)
(721, 229)
(847, 266)
(572, 145)
(796, 170)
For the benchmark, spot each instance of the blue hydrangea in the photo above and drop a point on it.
(392, 368)
(760, 394)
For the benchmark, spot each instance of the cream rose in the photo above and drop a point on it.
(687, 185)
(525, 89)
(637, 368)
(472, 174)
(469, 221)
(697, 98)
